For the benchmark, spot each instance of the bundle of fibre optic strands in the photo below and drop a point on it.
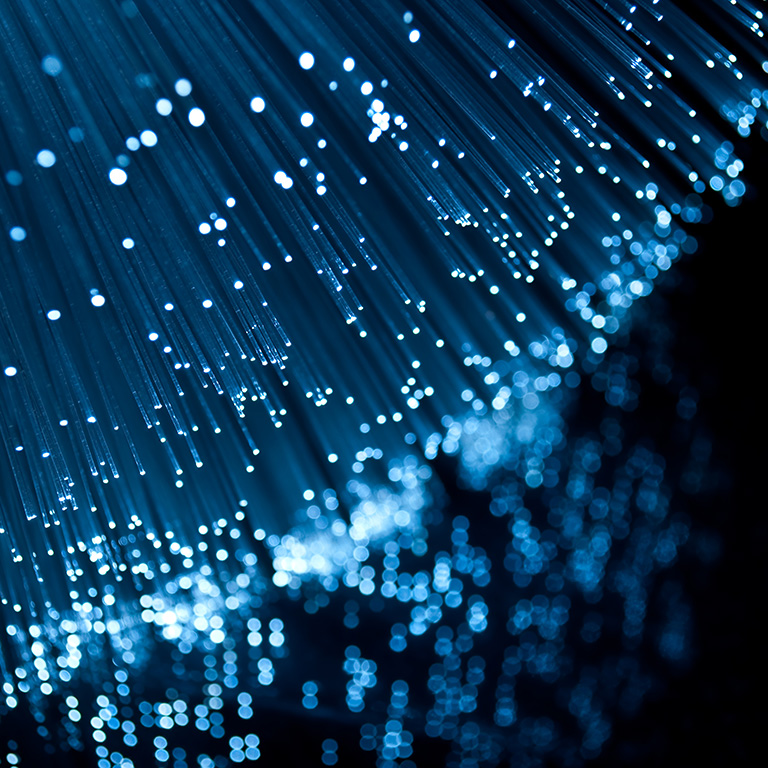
(261, 257)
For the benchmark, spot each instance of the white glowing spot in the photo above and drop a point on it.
(348, 64)
(321, 190)
(258, 104)
(52, 66)
(332, 458)
(220, 224)
(183, 87)
(18, 234)
(238, 285)
(45, 158)
(207, 303)
(10, 371)
(403, 146)
(231, 202)
(414, 36)
(53, 314)
(132, 143)
(98, 300)
(204, 228)
(118, 176)
(128, 243)
(307, 119)
(196, 117)
(153, 336)
(148, 138)
(306, 60)
(168, 307)
(266, 266)
(366, 88)
(309, 495)
(164, 107)
(285, 181)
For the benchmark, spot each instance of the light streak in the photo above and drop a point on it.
(256, 255)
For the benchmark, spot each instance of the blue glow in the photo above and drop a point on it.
(379, 474)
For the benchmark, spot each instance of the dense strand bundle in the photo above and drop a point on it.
(268, 256)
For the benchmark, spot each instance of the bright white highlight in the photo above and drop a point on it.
(118, 177)
(148, 138)
(183, 87)
(46, 158)
(164, 107)
(196, 117)
(285, 181)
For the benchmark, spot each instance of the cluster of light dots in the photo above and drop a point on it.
(559, 562)
(564, 555)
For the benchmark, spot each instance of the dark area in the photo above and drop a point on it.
(713, 713)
